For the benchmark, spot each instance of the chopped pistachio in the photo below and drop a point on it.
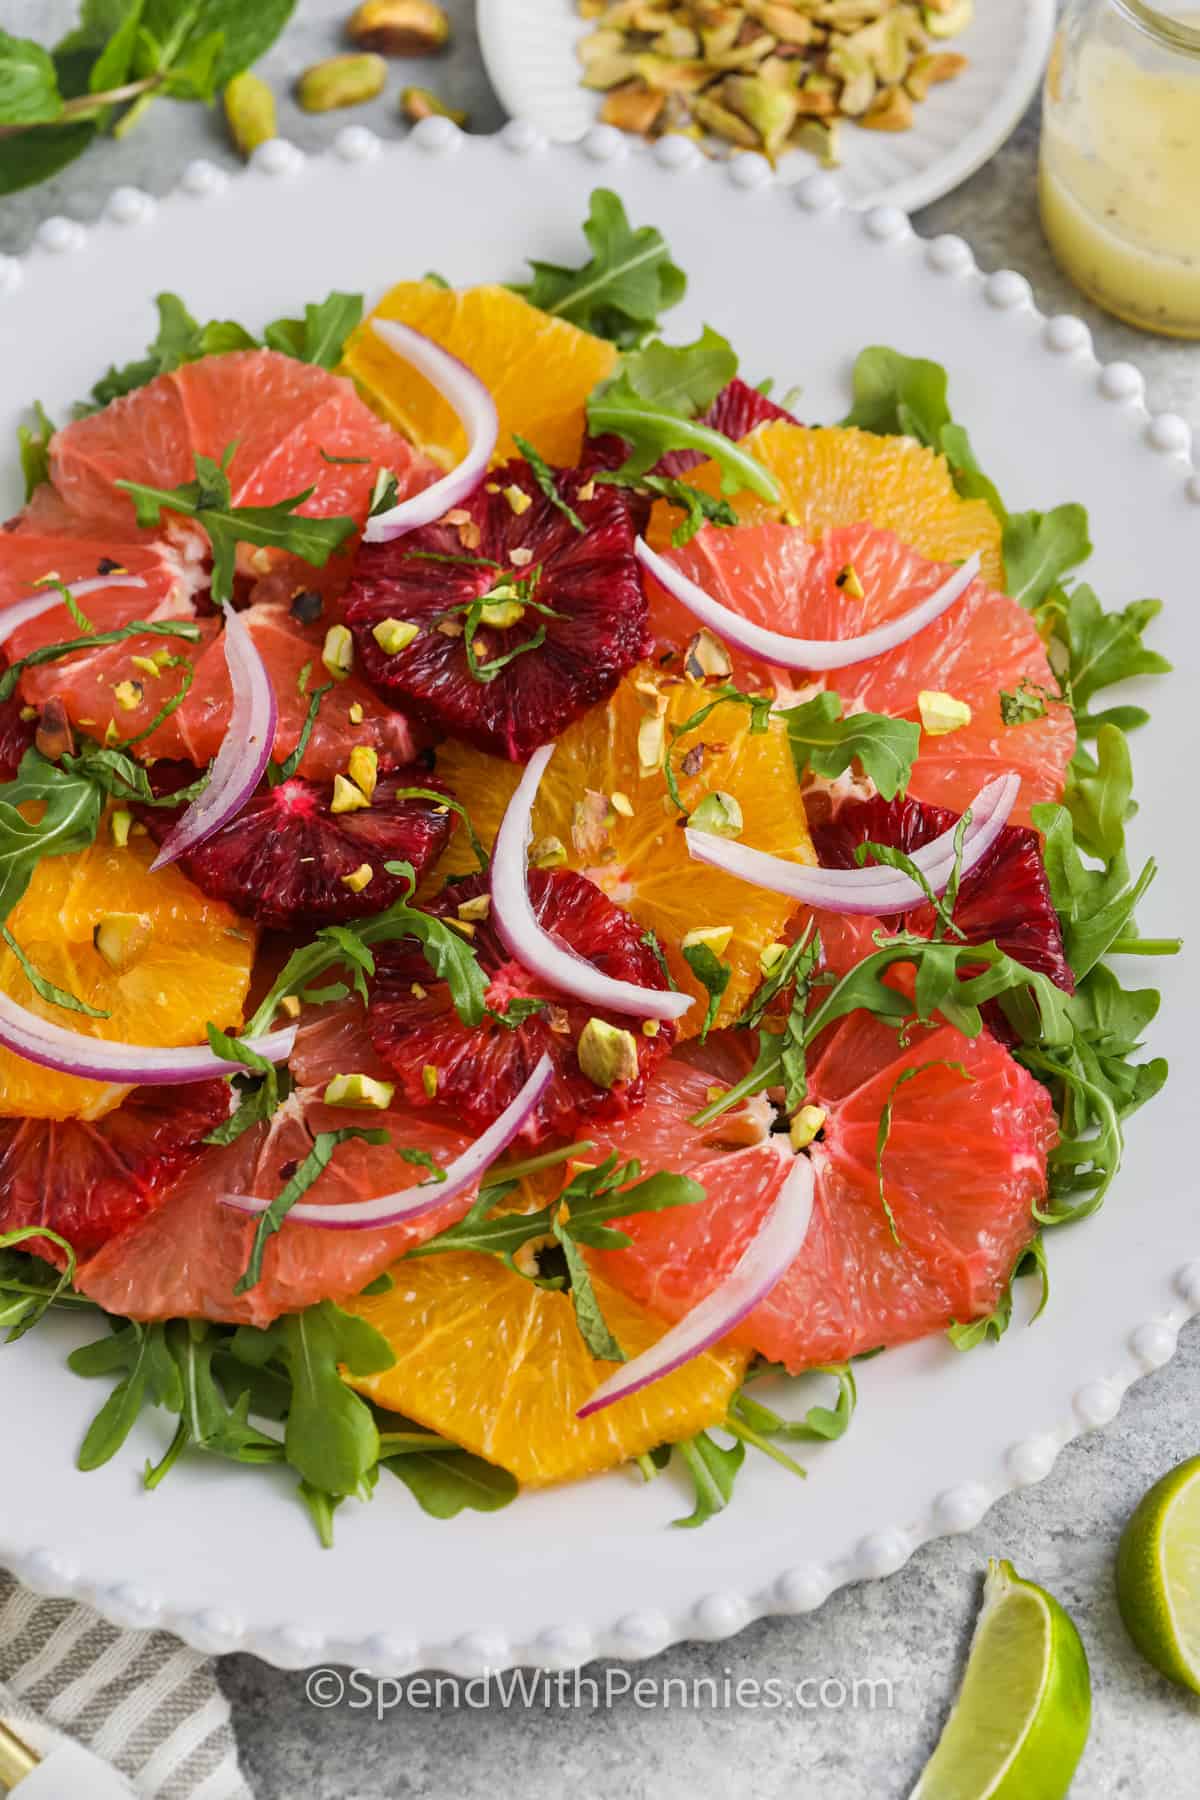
(363, 769)
(121, 938)
(464, 927)
(941, 713)
(651, 742)
(713, 937)
(147, 666)
(850, 582)
(650, 1028)
(28, 714)
(518, 500)
(290, 1006)
(478, 908)
(356, 712)
(520, 557)
(418, 103)
(119, 826)
(805, 1126)
(891, 110)
(707, 657)
(621, 803)
(607, 1053)
(128, 695)
(418, 992)
(718, 814)
(548, 853)
(111, 734)
(341, 81)
(337, 652)
(359, 1091)
(394, 635)
(359, 878)
(502, 613)
(346, 796)
(771, 957)
(429, 1080)
(947, 21)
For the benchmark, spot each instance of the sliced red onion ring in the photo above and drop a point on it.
(463, 391)
(868, 890)
(804, 653)
(46, 599)
(765, 1260)
(536, 951)
(400, 1207)
(239, 763)
(133, 1065)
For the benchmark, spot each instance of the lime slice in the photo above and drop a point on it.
(1158, 1575)
(1020, 1722)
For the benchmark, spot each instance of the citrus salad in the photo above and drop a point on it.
(544, 894)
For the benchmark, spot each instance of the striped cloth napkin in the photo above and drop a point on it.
(140, 1699)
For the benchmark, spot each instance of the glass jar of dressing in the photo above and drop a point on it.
(1120, 160)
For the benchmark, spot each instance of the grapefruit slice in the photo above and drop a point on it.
(964, 1163)
(89, 1182)
(837, 475)
(496, 1364)
(184, 1259)
(282, 415)
(538, 370)
(776, 576)
(638, 857)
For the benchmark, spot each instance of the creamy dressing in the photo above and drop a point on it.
(1120, 187)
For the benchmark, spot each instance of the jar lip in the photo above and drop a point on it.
(1161, 26)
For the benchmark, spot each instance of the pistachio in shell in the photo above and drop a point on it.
(399, 27)
(341, 81)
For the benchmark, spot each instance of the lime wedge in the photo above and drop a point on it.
(1018, 1727)
(1158, 1575)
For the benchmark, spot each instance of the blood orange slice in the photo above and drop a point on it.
(775, 576)
(964, 1163)
(1006, 897)
(184, 1259)
(478, 1070)
(91, 1181)
(289, 860)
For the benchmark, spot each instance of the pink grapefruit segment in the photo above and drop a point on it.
(774, 576)
(964, 1164)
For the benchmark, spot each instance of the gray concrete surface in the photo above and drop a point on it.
(909, 1631)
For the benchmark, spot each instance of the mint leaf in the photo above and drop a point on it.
(713, 975)
(28, 83)
(46, 989)
(297, 1185)
(624, 287)
(825, 742)
(1039, 549)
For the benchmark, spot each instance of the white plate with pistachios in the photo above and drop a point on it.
(902, 101)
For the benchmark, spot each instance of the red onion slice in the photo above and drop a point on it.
(765, 1260)
(239, 763)
(133, 1065)
(868, 890)
(536, 951)
(804, 653)
(475, 410)
(22, 611)
(396, 1209)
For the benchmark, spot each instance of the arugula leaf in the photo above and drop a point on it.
(28, 83)
(70, 818)
(683, 379)
(280, 772)
(1039, 549)
(1099, 793)
(899, 396)
(699, 508)
(309, 1170)
(652, 429)
(180, 339)
(209, 501)
(825, 742)
(1095, 905)
(32, 1286)
(445, 1480)
(819, 1423)
(713, 1472)
(118, 775)
(331, 1439)
(150, 1375)
(1100, 648)
(624, 287)
(206, 1422)
(33, 445)
(320, 336)
(993, 1325)
(713, 975)
(260, 1092)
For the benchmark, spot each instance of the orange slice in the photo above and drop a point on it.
(640, 858)
(497, 1364)
(538, 370)
(195, 966)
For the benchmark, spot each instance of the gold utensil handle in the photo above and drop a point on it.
(17, 1760)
